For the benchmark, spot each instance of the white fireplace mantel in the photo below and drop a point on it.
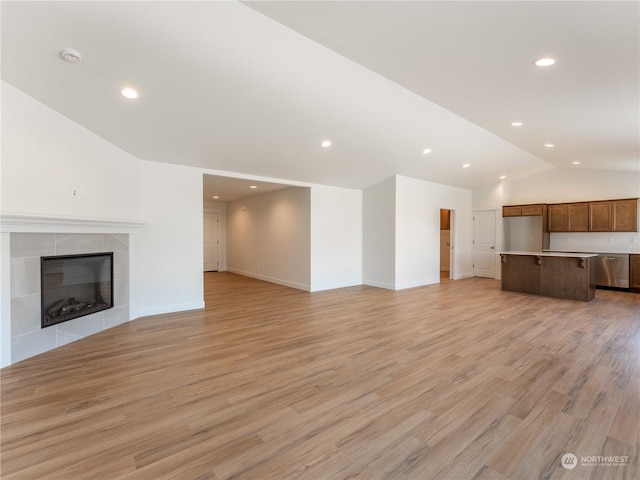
(26, 223)
(66, 230)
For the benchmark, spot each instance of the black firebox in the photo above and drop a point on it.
(73, 286)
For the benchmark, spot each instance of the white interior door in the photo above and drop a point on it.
(484, 243)
(211, 242)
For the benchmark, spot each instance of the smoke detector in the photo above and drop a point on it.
(71, 56)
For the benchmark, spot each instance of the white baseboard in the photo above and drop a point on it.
(373, 283)
(421, 283)
(462, 275)
(333, 286)
(160, 309)
(266, 278)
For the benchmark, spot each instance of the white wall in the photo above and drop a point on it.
(221, 209)
(45, 155)
(336, 237)
(167, 251)
(379, 234)
(269, 237)
(558, 186)
(492, 197)
(575, 185)
(418, 231)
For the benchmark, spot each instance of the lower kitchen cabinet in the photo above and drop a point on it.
(634, 273)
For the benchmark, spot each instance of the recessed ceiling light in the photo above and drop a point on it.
(502, 177)
(576, 163)
(129, 93)
(426, 151)
(466, 165)
(71, 56)
(326, 143)
(545, 62)
(516, 124)
(253, 186)
(549, 145)
(216, 196)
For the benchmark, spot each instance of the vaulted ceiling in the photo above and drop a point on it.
(255, 87)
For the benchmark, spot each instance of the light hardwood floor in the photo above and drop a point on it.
(451, 381)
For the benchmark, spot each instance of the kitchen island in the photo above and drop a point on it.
(550, 274)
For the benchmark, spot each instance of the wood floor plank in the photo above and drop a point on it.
(452, 381)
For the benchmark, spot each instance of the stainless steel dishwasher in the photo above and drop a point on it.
(612, 270)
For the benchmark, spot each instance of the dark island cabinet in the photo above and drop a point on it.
(634, 273)
(569, 276)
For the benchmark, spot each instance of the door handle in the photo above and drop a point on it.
(492, 248)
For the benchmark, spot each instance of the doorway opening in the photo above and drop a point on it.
(446, 245)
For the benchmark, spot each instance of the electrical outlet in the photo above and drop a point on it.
(75, 192)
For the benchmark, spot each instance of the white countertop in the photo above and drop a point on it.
(597, 252)
(553, 254)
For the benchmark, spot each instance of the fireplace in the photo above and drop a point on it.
(73, 286)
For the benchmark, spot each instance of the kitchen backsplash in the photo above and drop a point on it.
(596, 242)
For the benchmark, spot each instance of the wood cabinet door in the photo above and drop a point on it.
(557, 217)
(512, 211)
(577, 217)
(600, 216)
(625, 215)
(531, 210)
(634, 272)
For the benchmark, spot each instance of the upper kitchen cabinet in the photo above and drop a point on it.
(600, 214)
(569, 217)
(535, 210)
(624, 215)
(557, 217)
(578, 217)
(614, 216)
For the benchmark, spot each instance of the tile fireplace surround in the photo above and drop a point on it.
(27, 337)
(25, 240)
